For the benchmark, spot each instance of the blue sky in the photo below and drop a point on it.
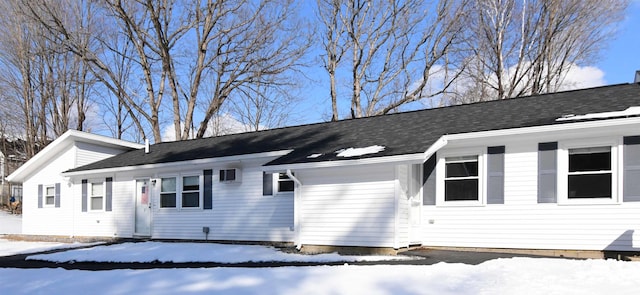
(621, 58)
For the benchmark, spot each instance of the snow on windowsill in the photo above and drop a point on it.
(631, 111)
(354, 152)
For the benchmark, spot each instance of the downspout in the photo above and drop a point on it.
(297, 202)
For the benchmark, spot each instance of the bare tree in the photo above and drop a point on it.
(18, 78)
(333, 44)
(230, 44)
(528, 47)
(262, 107)
(396, 47)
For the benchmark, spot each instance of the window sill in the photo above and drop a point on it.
(460, 204)
(283, 194)
(594, 201)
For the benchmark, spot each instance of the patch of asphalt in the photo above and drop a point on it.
(419, 257)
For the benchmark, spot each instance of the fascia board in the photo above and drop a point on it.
(565, 127)
(408, 158)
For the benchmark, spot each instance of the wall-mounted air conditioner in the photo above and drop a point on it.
(230, 175)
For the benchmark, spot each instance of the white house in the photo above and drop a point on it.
(555, 171)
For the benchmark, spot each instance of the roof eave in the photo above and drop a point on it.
(566, 127)
(406, 158)
(20, 174)
(179, 163)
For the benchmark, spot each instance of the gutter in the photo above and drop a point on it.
(297, 199)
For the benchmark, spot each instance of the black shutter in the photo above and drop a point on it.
(208, 189)
(109, 193)
(495, 177)
(84, 195)
(429, 181)
(39, 195)
(57, 196)
(631, 169)
(267, 184)
(547, 172)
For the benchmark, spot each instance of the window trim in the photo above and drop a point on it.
(563, 171)
(44, 196)
(478, 152)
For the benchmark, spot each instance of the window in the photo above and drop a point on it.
(190, 191)
(461, 179)
(168, 192)
(285, 183)
(590, 174)
(50, 195)
(97, 196)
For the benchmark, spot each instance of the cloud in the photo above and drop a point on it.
(582, 77)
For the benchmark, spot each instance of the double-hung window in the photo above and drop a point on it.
(462, 180)
(49, 195)
(168, 192)
(590, 173)
(180, 192)
(96, 200)
(190, 191)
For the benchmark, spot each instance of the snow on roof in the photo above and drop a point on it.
(631, 111)
(313, 156)
(354, 152)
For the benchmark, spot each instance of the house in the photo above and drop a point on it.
(553, 171)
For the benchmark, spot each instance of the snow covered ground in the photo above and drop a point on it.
(500, 276)
(195, 252)
(10, 223)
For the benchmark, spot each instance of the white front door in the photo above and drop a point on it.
(143, 208)
(415, 204)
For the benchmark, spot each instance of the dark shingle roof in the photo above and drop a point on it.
(401, 133)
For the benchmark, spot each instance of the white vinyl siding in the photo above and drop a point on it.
(539, 226)
(239, 212)
(88, 153)
(348, 206)
(68, 219)
(524, 223)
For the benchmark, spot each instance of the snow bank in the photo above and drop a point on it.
(194, 252)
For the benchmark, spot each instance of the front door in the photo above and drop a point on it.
(143, 208)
